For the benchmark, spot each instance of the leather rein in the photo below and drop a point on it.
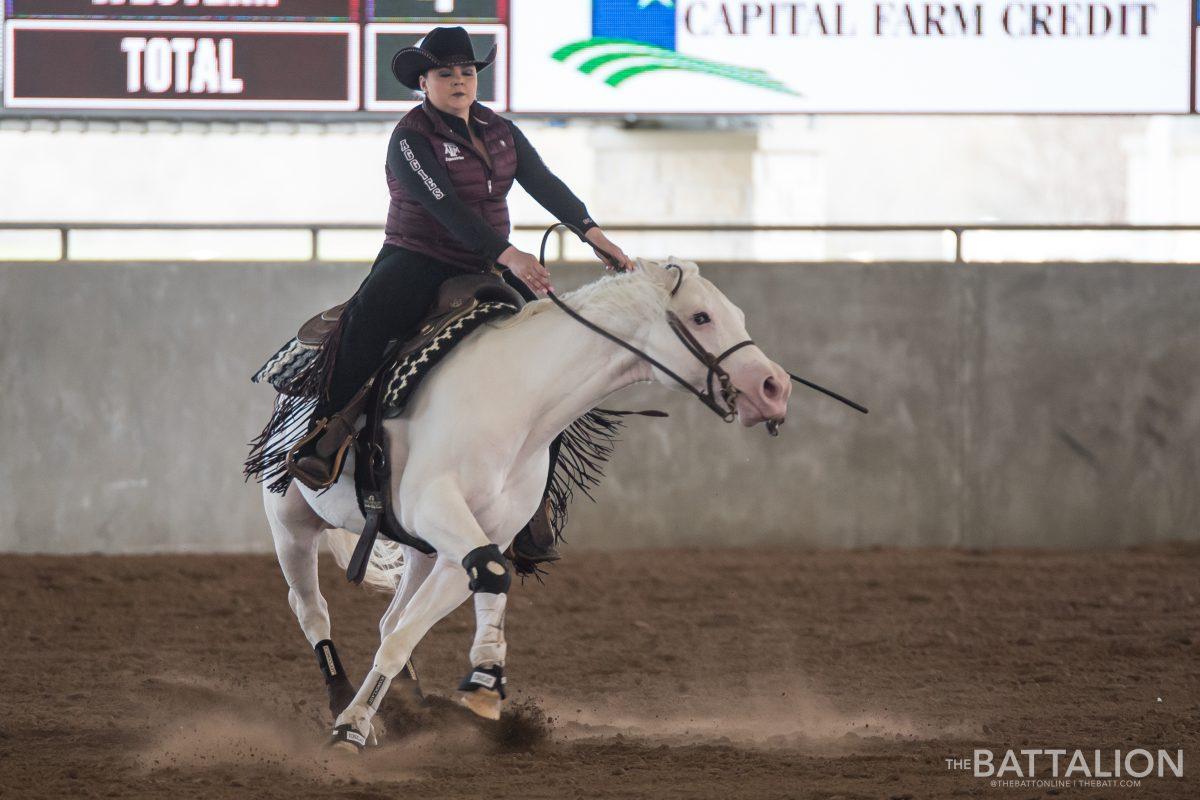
(725, 390)
(727, 393)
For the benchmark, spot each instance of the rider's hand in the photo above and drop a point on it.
(600, 242)
(528, 269)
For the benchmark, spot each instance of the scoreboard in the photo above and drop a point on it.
(253, 55)
(186, 9)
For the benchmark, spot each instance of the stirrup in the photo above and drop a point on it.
(302, 469)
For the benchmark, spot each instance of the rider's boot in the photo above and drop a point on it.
(535, 543)
(317, 459)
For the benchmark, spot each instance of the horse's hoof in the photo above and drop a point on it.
(378, 731)
(485, 703)
(346, 739)
(483, 690)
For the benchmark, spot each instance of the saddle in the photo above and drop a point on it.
(457, 298)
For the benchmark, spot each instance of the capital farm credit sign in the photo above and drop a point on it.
(707, 56)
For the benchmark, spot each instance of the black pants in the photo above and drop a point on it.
(389, 304)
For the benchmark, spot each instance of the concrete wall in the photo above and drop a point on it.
(1011, 405)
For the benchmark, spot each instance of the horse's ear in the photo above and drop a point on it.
(655, 271)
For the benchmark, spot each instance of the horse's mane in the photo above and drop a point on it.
(622, 293)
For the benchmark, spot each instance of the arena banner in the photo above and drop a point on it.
(713, 57)
(185, 65)
(385, 39)
(439, 12)
(343, 10)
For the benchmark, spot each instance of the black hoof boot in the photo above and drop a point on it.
(526, 547)
(337, 684)
(483, 691)
(344, 737)
(526, 557)
(341, 695)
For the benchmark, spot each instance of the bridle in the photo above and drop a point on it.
(725, 391)
(728, 393)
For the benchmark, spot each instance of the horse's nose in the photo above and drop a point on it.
(776, 389)
(771, 388)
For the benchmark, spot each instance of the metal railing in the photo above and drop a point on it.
(957, 230)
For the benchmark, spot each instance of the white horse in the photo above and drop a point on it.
(470, 456)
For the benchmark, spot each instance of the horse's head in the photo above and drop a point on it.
(702, 322)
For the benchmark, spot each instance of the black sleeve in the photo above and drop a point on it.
(410, 158)
(546, 187)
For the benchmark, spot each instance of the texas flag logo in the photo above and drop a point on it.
(637, 37)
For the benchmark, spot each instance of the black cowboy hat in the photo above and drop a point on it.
(441, 47)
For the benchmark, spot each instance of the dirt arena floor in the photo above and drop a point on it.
(660, 674)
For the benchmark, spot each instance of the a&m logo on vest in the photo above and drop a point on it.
(452, 152)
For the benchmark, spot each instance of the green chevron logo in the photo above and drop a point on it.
(590, 55)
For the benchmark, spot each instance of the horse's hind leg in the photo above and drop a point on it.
(297, 533)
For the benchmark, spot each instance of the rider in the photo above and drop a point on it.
(450, 165)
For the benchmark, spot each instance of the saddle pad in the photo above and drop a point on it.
(401, 378)
(288, 362)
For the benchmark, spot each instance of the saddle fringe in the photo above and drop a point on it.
(293, 414)
(587, 445)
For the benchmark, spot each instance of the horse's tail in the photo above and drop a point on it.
(385, 567)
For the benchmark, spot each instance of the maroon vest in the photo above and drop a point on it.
(482, 188)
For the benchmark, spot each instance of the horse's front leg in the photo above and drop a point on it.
(417, 568)
(444, 590)
(483, 690)
(467, 562)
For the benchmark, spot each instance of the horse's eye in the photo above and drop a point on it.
(701, 317)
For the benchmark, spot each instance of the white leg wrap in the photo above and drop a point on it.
(370, 695)
(489, 646)
(375, 687)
